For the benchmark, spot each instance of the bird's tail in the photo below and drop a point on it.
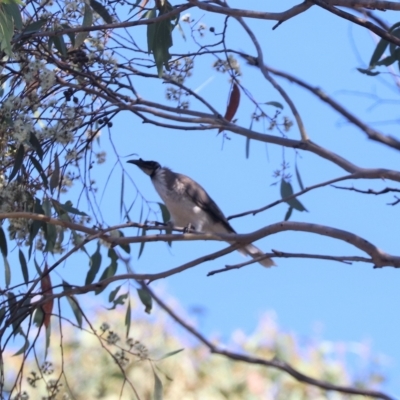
(254, 252)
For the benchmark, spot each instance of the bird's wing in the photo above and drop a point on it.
(204, 201)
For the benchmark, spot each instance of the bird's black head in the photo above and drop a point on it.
(148, 167)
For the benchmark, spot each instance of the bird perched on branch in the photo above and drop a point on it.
(190, 205)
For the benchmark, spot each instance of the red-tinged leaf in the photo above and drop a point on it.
(233, 104)
(47, 291)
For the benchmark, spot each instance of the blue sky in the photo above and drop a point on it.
(351, 303)
(347, 303)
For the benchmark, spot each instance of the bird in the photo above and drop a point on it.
(190, 206)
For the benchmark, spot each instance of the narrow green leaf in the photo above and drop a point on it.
(19, 158)
(113, 293)
(378, 52)
(107, 273)
(23, 349)
(34, 26)
(70, 209)
(12, 9)
(7, 271)
(24, 266)
(87, 21)
(170, 354)
(60, 45)
(73, 302)
(121, 198)
(120, 300)
(70, 35)
(274, 104)
(247, 147)
(288, 213)
(3, 243)
(166, 216)
(48, 336)
(55, 176)
(141, 248)
(146, 299)
(128, 319)
(286, 191)
(6, 32)
(38, 270)
(126, 247)
(158, 387)
(94, 266)
(33, 140)
(368, 72)
(38, 317)
(102, 11)
(300, 182)
(39, 168)
(151, 30)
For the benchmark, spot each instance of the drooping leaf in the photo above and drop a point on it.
(94, 266)
(120, 300)
(50, 230)
(24, 266)
(113, 293)
(3, 243)
(378, 52)
(60, 45)
(392, 46)
(39, 168)
(233, 104)
(24, 348)
(158, 387)
(55, 176)
(387, 60)
(33, 140)
(87, 21)
(19, 158)
(128, 319)
(73, 302)
(35, 225)
(142, 244)
(146, 299)
(288, 214)
(12, 10)
(166, 216)
(286, 191)
(7, 271)
(38, 317)
(300, 182)
(126, 247)
(47, 291)
(110, 270)
(6, 31)
(101, 10)
(70, 35)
